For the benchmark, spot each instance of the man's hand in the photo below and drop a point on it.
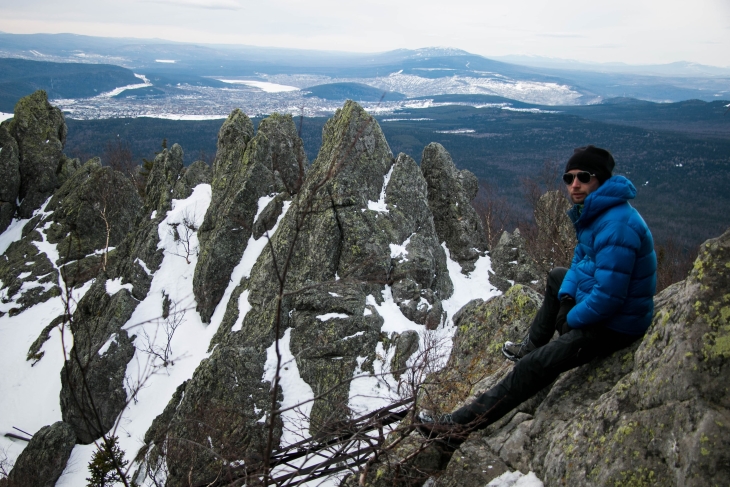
(561, 322)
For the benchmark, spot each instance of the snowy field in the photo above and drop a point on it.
(29, 394)
(286, 94)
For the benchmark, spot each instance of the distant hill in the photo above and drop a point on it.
(353, 91)
(671, 82)
(21, 77)
(676, 153)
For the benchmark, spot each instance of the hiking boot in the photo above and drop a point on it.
(516, 350)
(442, 429)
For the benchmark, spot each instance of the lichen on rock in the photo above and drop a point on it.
(42, 462)
(246, 169)
(40, 131)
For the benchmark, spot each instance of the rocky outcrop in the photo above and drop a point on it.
(92, 379)
(9, 176)
(450, 193)
(655, 413)
(94, 210)
(102, 348)
(40, 132)
(247, 168)
(42, 462)
(83, 221)
(288, 159)
(512, 264)
(139, 255)
(368, 218)
(358, 234)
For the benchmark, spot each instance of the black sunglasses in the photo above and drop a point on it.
(583, 176)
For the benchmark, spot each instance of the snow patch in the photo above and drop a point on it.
(516, 479)
(399, 251)
(262, 203)
(264, 86)
(380, 205)
(105, 347)
(297, 395)
(329, 316)
(113, 286)
(143, 266)
(243, 308)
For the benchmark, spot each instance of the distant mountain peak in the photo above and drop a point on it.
(439, 51)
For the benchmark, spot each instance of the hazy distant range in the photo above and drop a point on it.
(500, 119)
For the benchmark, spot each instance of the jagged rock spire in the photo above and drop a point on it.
(450, 193)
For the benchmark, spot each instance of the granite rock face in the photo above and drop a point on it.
(102, 348)
(44, 459)
(9, 176)
(512, 264)
(40, 132)
(450, 193)
(247, 168)
(85, 219)
(368, 218)
(98, 359)
(654, 413)
(94, 210)
(287, 150)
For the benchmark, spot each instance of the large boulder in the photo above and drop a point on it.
(40, 131)
(92, 378)
(513, 264)
(450, 193)
(42, 462)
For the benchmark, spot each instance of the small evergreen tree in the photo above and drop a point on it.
(106, 464)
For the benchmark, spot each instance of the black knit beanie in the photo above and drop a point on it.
(594, 160)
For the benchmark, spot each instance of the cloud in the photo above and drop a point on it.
(206, 4)
(561, 35)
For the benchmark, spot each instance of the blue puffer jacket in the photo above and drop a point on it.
(613, 273)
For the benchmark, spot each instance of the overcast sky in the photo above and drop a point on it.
(631, 31)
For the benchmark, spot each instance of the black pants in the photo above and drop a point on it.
(542, 366)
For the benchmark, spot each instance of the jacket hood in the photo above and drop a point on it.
(614, 191)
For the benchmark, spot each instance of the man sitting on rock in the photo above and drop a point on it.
(603, 303)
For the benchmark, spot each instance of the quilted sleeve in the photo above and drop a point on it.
(616, 245)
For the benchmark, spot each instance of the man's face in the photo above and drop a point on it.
(579, 191)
